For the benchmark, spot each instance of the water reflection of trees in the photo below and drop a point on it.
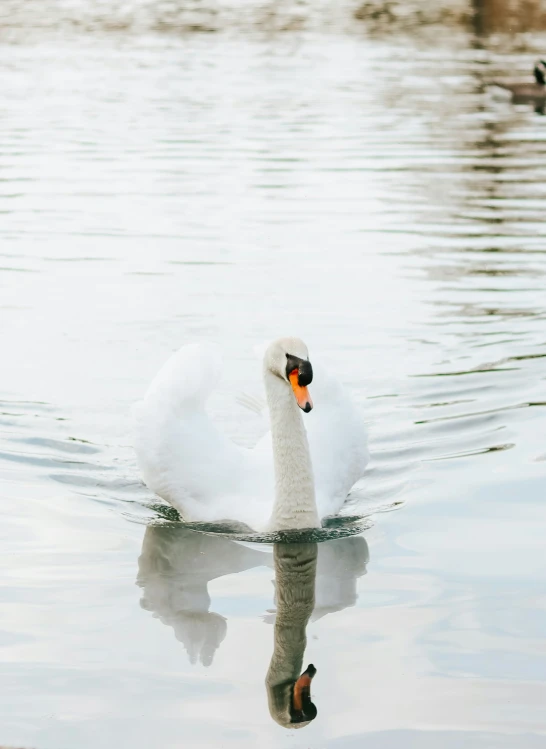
(205, 16)
(508, 16)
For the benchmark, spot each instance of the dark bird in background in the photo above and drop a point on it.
(539, 71)
(529, 93)
(525, 93)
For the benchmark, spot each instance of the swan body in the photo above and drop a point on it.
(298, 473)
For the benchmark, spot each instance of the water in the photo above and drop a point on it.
(369, 194)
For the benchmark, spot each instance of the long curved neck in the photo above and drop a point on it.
(295, 573)
(295, 505)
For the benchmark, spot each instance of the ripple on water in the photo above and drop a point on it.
(333, 528)
(473, 256)
(363, 192)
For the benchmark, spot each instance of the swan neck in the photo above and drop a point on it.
(295, 504)
(295, 572)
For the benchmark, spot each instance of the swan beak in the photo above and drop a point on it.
(303, 398)
(302, 687)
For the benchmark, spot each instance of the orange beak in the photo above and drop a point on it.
(302, 687)
(303, 398)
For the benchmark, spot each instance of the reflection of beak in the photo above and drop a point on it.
(302, 688)
(302, 393)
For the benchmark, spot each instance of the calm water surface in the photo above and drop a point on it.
(373, 197)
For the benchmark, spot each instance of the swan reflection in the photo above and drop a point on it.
(174, 569)
(289, 694)
(311, 581)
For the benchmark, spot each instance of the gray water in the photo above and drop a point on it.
(372, 195)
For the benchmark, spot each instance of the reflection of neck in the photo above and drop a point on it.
(294, 505)
(295, 572)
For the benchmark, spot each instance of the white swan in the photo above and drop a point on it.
(295, 475)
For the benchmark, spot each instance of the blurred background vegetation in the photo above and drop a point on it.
(208, 16)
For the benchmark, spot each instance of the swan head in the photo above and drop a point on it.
(288, 358)
(290, 703)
